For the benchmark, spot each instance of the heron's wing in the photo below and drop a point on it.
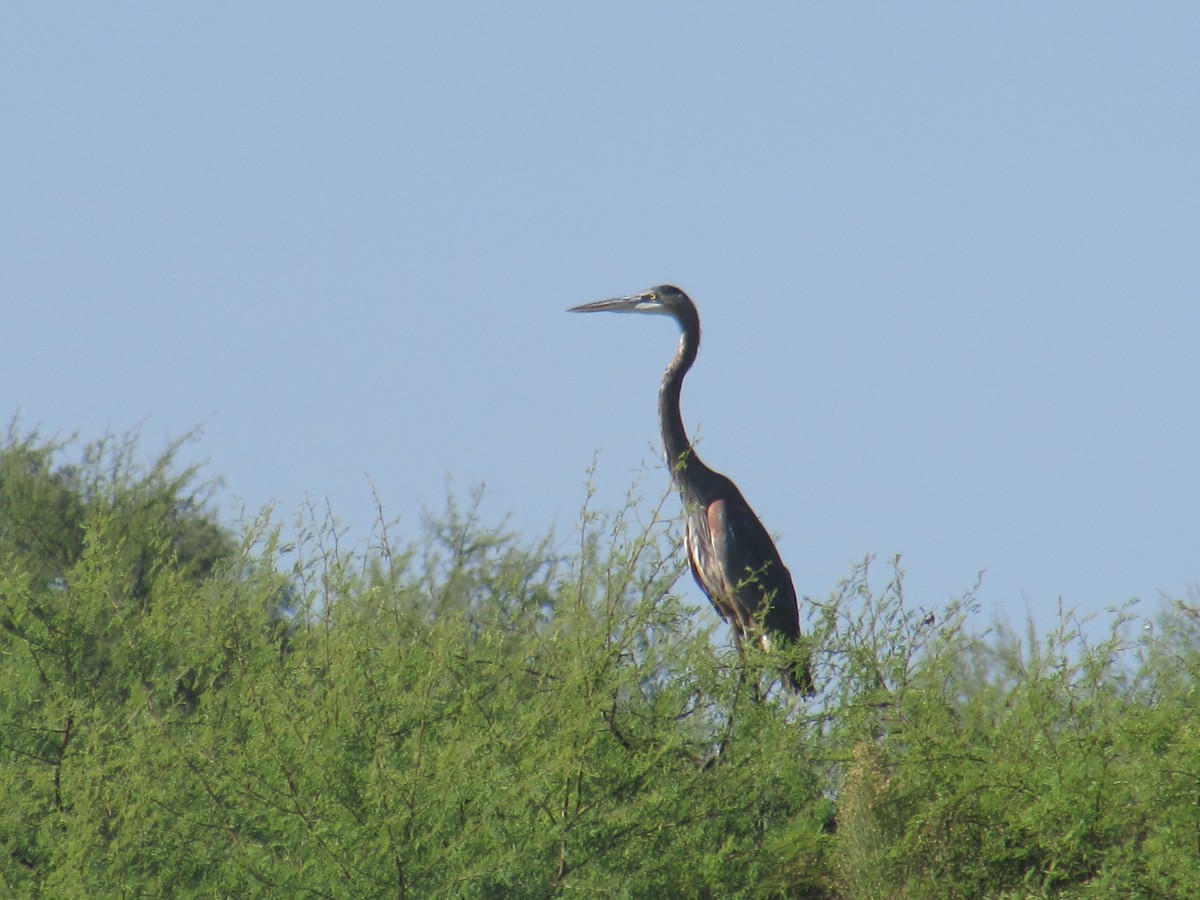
(751, 567)
(729, 547)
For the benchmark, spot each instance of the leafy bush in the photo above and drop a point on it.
(471, 714)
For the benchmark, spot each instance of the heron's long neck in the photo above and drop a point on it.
(678, 449)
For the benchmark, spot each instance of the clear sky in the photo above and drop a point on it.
(947, 257)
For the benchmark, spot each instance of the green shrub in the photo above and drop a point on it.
(473, 714)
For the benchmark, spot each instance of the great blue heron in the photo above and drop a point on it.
(732, 557)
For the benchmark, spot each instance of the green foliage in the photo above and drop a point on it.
(98, 562)
(472, 715)
(1051, 767)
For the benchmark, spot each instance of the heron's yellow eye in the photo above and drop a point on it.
(649, 295)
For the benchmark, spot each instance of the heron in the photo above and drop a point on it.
(730, 553)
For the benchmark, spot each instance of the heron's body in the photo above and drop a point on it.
(732, 557)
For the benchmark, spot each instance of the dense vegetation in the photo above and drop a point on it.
(186, 710)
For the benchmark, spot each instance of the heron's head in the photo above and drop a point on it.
(664, 300)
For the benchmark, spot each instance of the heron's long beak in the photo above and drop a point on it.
(616, 304)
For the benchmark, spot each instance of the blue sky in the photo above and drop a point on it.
(947, 259)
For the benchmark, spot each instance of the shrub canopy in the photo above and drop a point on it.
(473, 713)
